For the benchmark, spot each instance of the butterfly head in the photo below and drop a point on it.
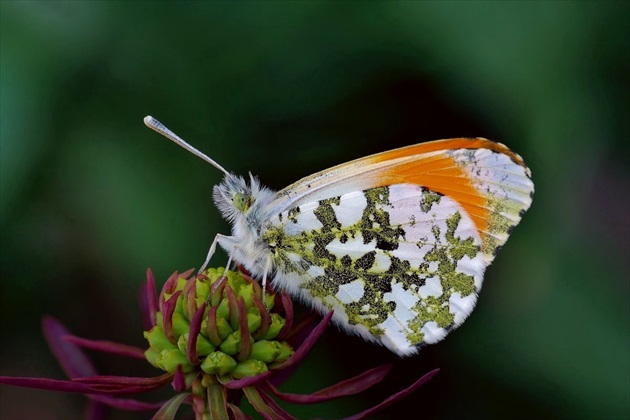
(235, 196)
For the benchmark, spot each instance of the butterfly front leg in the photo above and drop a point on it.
(212, 249)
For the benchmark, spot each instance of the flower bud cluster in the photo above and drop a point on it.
(220, 324)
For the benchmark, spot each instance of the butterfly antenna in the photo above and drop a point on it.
(157, 126)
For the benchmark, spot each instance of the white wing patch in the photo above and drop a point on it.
(387, 260)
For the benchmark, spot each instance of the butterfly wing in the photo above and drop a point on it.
(397, 243)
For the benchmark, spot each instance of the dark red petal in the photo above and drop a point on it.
(106, 346)
(179, 381)
(350, 386)
(216, 290)
(237, 413)
(254, 283)
(287, 304)
(244, 382)
(121, 390)
(211, 329)
(169, 409)
(275, 407)
(167, 321)
(302, 329)
(246, 344)
(259, 404)
(265, 319)
(72, 360)
(49, 384)
(152, 299)
(193, 335)
(106, 380)
(306, 346)
(233, 305)
(144, 307)
(96, 411)
(397, 396)
(126, 403)
(187, 273)
(190, 295)
(75, 386)
(168, 288)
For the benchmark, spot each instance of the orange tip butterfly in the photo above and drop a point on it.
(395, 243)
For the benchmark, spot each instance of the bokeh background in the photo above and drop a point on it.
(90, 198)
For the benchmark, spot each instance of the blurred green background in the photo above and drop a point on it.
(90, 197)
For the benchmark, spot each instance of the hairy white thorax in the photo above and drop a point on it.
(246, 207)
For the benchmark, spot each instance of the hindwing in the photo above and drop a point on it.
(400, 264)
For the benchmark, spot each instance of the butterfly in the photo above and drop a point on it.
(395, 243)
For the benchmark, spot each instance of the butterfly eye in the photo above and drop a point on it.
(241, 201)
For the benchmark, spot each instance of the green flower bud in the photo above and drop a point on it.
(218, 363)
(249, 367)
(181, 283)
(277, 322)
(157, 339)
(223, 311)
(168, 360)
(253, 319)
(232, 344)
(204, 346)
(236, 281)
(246, 292)
(265, 351)
(270, 300)
(151, 354)
(204, 326)
(180, 324)
(286, 351)
(182, 341)
(202, 291)
(224, 328)
(218, 352)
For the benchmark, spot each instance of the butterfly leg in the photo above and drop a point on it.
(211, 251)
(264, 283)
(227, 266)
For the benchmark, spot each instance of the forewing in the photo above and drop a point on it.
(489, 181)
(397, 243)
